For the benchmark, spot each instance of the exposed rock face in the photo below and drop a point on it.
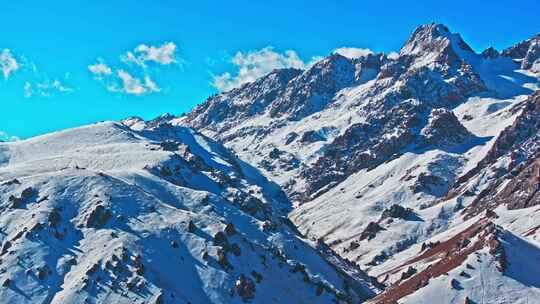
(444, 129)
(426, 182)
(527, 51)
(432, 72)
(245, 288)
(435, 38)
(518, 144)
(397, 212)
(370, 231)
(533, 55)
(248, 100)
(98, 217)
(456, 250)
(311, 137)
(520, 191)
(363, 146)
(315, 88)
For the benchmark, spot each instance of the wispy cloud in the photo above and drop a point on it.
(254, 64)
(46, 88)
(352, 52)
(133, 85)
(132, 75)
(36, 82)
(150, 84)
(164, 54)
(8, 63)
(100, 69)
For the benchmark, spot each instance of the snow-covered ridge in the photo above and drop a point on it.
(109, 214)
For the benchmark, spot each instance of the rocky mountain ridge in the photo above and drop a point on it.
(408, 132)
(411, 178)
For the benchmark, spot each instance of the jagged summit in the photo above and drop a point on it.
(312, 90)
(433, 37)
(527, 52)
(490, 52)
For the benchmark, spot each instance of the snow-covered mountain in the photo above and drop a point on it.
(412, 178)
(385, 157)
(138, 212)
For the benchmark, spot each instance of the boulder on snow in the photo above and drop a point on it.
(397, 211)
(220, 239)
(275, 153)
(311, 137)
(409, 273)
(291, 137)
(28, 193)
(257, 276)
(54, 218)
(454, 284)
(191, 227)
(5, 247)
(230, 229)
(371, 231)
(245, 288)
(222, 259)
(6, 282)
(15, 201)
(97, 217)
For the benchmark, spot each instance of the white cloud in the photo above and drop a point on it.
(150, 84)
(133, 85)
(60, 87)
(132, 76)
(8, 63)
(100, 69)
(254, 64)
(353, 53)
(164, 54)
(130, 84)
(46, 88)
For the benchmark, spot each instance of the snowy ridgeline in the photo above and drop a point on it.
(107, 214)
(411, 178)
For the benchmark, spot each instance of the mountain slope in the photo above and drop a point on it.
(110, 214)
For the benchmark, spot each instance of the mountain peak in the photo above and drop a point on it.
(433, 37)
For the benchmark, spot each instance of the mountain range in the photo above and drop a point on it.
(408, 178)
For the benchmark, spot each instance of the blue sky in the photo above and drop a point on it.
(181, 51)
